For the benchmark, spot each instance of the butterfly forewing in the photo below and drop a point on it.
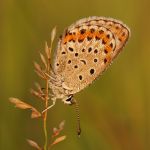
(86, 49)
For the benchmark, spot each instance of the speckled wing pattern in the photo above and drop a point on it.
(87, 48)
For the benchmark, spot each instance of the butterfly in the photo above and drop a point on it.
(84, 52)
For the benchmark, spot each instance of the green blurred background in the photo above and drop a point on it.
(115, 110)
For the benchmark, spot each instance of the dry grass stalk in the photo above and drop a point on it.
(44, 96)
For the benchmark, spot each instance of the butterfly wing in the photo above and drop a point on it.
(87, 48)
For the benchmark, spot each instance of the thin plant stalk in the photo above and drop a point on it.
(45, 116)
(46, 103)
(44, 96)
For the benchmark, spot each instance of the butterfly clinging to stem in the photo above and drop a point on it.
(84, 52)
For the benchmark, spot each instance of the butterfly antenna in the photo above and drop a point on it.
(78, 118)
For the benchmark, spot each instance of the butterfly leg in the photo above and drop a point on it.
(54, 101)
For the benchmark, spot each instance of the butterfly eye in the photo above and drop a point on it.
(70, 100)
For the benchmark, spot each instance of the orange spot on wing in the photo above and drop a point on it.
(99, 35)
(122, 38)
(106, 39)
(68, 38)
(88, 33)
(108, 57)
(108, 48)
(79, 36)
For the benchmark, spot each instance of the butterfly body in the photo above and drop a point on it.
(84, 52)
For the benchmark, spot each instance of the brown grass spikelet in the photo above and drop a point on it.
(34, 144)
(43, 94)
(22, 105)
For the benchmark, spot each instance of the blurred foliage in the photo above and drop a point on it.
(115, 110)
